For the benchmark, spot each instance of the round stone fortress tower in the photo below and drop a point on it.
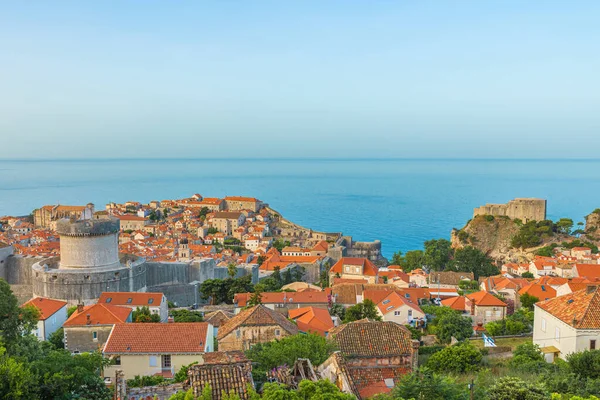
(89, 264)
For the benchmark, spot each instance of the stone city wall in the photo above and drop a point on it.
(86, 284)
(5, 253)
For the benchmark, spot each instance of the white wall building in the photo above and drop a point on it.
(568, 324)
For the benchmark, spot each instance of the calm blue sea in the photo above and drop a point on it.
(400, 202)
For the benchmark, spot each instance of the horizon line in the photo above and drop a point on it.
(358, 159)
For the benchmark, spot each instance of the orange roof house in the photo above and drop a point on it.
(312, 319)
(53, 314)
(568, 324)
(373, 356)
(486, 299)
(155, 348)
(541, 291)
(99, 314)
(46, 307)
(456, 303)
(354, 268)
(157, 338)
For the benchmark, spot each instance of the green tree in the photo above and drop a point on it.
(14, 321)
(564, 225)
(143, 314)
(256, 297)
(287, 276)
(279, 244)
(471, 259)
(231, 270)
(424, 384)
(512, 388)
(528, 357)
(16, 380)
(527, 300)
(338, 310)
(453, 325)
(182, 374)
(276, 275)
(586, 364)
(184, 315)
(212, 230)
(366, 309)
(460, 358)
(397, 258)
(57, 338)
(414, 259)
(266, 356)
(260, 260)
(63, 376)
(437, 254)
(527, 275)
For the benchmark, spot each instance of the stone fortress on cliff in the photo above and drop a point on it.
(525, 209)
(90, 263)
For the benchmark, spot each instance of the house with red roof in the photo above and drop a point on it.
(373, 356)
(156, 302)
(395, 307)
(540, 290)
(156, 349)
(590, 271)
(53, 314)
(485, 307)
(354, 268)
(568, 324)
(312, 320)
(542, 266)
(89, 327)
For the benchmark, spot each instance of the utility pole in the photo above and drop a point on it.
(472, 389)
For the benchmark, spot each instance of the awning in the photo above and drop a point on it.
(549, 349)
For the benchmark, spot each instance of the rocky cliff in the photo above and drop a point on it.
(493, 235)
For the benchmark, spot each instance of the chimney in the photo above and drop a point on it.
(170, 320)
(88, 319)
(80, 307)
(591, 289)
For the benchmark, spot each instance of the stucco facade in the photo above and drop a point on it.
(149, 364)
(551, 331)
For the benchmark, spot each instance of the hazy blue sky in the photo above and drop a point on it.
(300, 78)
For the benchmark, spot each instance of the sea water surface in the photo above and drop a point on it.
(400, 202)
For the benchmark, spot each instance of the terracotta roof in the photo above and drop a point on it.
(395, 300)
(217, 318)
(542, 292)
(367, 338)
(484, 299)
(450, 277)
(131, 298)
(456, 303)
(241, 299)
(312, 319)
(156, 338)
(241, 198)
(369, 269)
(588, 270)
(99, 314)
(225, 372)
(377, 295)
(257, 316)
(579, 309)
(46, 307)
